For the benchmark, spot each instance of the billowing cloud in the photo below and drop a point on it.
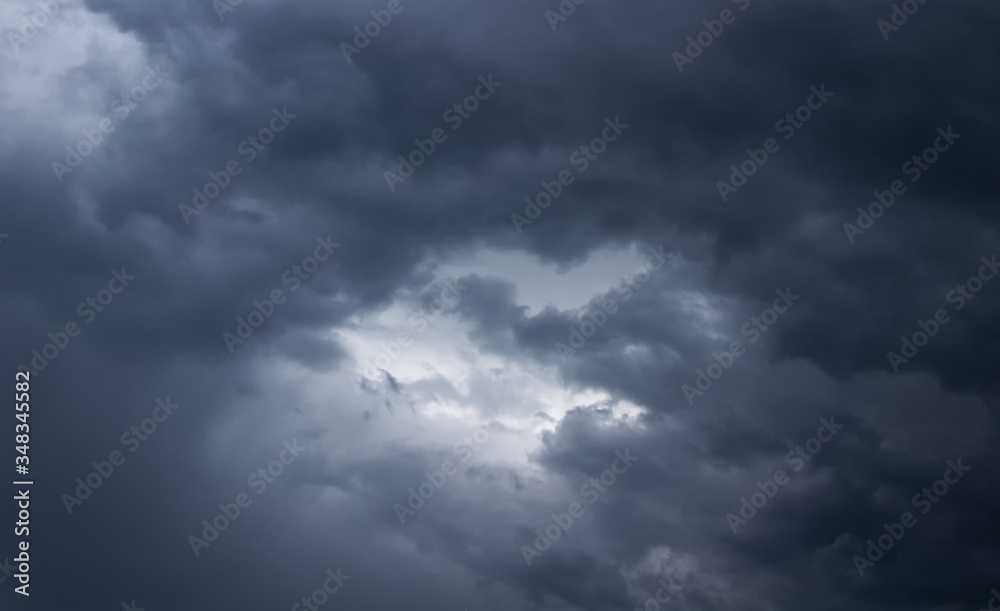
(482, 305)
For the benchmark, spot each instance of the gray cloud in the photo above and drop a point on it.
(492, 348)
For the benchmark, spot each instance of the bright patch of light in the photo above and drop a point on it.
(34, 76)
(442, 385)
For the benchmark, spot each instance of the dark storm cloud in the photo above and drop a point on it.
(324, 175)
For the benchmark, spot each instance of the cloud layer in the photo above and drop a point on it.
(502, 179)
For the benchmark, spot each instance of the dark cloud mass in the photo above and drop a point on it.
(549, 305)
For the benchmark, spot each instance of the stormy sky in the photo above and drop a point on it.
(502, 305)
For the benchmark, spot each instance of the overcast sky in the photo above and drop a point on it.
(502, 305)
